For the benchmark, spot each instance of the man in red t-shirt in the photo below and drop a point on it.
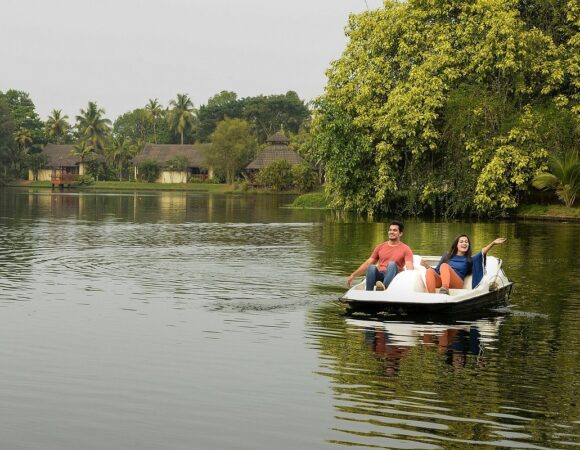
(392, 256)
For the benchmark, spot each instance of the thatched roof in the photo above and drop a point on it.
(162, 153)
(278, 138)
(59, 155)
(273, 153)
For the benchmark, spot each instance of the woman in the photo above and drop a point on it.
(456, 264)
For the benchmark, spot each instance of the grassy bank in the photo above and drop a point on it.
(547, 212)
(312, 200)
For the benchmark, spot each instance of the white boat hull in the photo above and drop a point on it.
(407, 292)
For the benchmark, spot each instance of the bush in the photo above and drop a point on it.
(149, 171)
(277, 176)
(84, 180)
(305, 178)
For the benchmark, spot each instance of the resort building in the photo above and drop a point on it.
(179, 163)
(277, 149)
(60, 161)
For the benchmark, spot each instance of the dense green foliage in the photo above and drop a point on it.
(233, 147)
(149, 171)
(277, 175)
(563, 177)
(449, 107)
(304, 178)
(266, 114)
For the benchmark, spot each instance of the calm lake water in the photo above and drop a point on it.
(200, 321)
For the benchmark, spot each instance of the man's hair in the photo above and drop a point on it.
(399, 224)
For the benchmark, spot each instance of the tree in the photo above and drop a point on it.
(277, 175)
(432, 105)
(35, 162)
(133, 125)
(7, 130)
(149, 170)
(82, 150)
(563, 177)
(24, 115)
(233, 147)
(268, 114)
(120, 153)
(304, 178)
(224, 105)
(182, 115)
(92, 127)
(24, 139)
(154, 112)
(57, 126)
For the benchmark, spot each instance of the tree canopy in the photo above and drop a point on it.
(449, 106)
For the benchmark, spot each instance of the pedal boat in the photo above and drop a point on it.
(407, 293)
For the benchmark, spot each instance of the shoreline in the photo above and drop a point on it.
(314, 200)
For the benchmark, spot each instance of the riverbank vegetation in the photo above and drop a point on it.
(451, 108)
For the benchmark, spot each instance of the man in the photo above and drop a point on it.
(392, 256)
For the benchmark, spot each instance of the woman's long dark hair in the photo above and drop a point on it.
(453, 251)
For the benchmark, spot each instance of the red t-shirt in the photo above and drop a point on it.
(386, 253)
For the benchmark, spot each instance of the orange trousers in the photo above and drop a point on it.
(447, 279)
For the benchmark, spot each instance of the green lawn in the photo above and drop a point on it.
(312, 200)
(548, 211)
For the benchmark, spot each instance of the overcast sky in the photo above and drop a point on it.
(120, 53)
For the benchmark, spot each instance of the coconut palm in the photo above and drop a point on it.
(82, 150)
(23, 138)
(181, 116)
(154, 111)
(120, 153)
(563, 177)
(57, 125)
(93, 127)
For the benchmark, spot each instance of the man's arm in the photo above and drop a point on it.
(361, 270)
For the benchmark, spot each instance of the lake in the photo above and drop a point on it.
(187, 320)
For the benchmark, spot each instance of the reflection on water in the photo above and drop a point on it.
(193, 320)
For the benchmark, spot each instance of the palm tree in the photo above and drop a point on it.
(57, 125)
(120, 153)
(181, 116)
(154, 111)
(93, 127)
(23, 138)
(563, 177)
(82, 150)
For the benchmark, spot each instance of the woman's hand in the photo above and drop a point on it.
(425, 264)
(499, 241)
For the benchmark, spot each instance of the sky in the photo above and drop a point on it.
(121, 53)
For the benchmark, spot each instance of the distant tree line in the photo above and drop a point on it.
(247, 120)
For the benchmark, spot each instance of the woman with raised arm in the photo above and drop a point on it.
(456, 264)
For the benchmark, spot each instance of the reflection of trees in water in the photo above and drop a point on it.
(470, 380)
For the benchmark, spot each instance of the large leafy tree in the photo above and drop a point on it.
(219, 107)
(233, 147)
(93, 127)
(7, 129)
(267, 114)
(182, 115)
(25, 116)
(437, 105)
(57, 126)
